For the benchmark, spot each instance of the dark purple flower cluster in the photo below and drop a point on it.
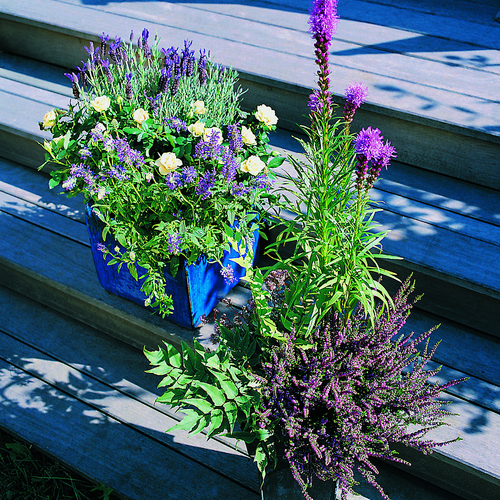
(174, 243)
(205, 184)
(371, 156)
(176, 123)
(342, 402)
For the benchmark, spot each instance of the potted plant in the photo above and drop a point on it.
(172, 171)
(314, 373)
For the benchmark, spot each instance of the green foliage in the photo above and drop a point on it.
(213, 389)
(336, 245)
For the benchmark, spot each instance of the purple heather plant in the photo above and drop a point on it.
(350, 395)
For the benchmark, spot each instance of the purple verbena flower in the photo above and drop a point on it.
(229, 165)
(176, 123)
(240, 189)
(189, 175)
(173, 180)
(205, 184)
(234, 136)
(227, 272)
(174, 243)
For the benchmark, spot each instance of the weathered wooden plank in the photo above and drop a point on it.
(43, 218)
(32, 186)
(437, 217)
(97, 446)
(443, 251)
(140, 414)
(233, 45)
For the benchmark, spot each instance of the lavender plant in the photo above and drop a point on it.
(160, 148)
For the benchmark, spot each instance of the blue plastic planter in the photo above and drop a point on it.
(195, 290)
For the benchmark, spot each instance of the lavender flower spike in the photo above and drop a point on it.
(355, 95)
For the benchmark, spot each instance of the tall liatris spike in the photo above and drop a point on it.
(323, 23)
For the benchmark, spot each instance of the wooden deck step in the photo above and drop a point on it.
(84, 398)
(54, 267)
(432, 77)
(442, 217)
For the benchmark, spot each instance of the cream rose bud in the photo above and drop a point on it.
(167, 162)
(101, 103)
(198, 108)
(207, 133)
(140, 115)
(247, 136)
(49, 119)
(266, 115)
(196, 129)
(253, 165)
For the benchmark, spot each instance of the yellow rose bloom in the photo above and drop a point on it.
(196, 129)
(266, 115)
(247, 136)
(140, 115)
(209, 131)
(168, 162)
(49, 119)
(198, 108)
(101, 103)
(253, 165)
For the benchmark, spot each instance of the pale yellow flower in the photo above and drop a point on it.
(266, 115)
(140, 115)
(207, 133)
(168, 162)
(197, 128)
(253, 165)
(247, 136)
(101, 103)
(198, 108)
(49, 119)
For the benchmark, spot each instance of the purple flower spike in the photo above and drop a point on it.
(368, 143)
(323, 22)
(324, 19)
(386, 153)
(355, 95)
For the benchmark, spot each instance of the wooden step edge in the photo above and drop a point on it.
(455, 476)
(98, 315)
